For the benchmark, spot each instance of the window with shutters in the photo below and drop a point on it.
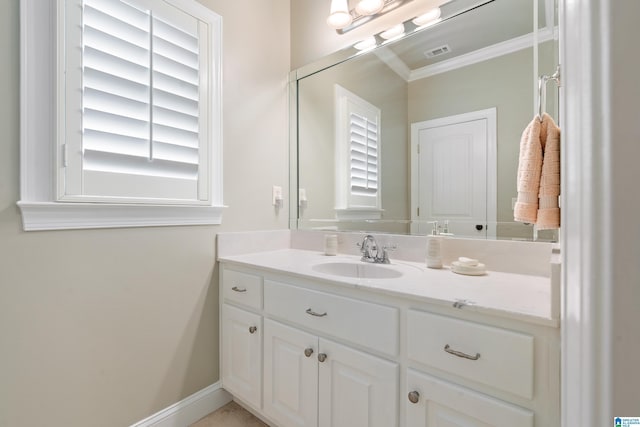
(136, 112)
(357, 157)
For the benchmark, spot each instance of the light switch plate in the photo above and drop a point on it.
(276, 195)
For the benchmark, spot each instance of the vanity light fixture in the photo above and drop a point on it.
(393, 32)
(342, 19)
(429, 18)
(339, 15)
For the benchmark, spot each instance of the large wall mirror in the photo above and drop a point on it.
(439, 114)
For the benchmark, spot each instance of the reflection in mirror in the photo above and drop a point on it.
(427, 128)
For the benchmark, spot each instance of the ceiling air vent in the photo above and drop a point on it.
(437, 51)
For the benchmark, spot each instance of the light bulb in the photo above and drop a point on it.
(369, 7)
(366, 44)
(393, 32)
(339, 16)
(431, 17)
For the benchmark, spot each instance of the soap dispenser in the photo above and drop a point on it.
(434, 250)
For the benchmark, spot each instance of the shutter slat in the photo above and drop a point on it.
(110, 83)
(109, 103)
(175, 119)
(135, 165)
(114, 45)
(134, 31)
(175, 102)
(107, 122)
(115, 66)
(115, 143)
(173, 84)
(175, 136)
(175, 52)
(176, 35)
(175, 69)
(121, 10)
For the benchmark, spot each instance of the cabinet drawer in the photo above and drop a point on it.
(492, 356)
(434, 402)
(242, 288)
(371, 325)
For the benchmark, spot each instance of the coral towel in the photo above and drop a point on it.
(539, 174)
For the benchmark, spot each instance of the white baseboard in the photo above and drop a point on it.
(190, 409)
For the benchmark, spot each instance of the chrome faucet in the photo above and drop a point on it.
(372, 252)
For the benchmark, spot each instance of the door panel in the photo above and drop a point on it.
(241, 354)
(290, 376)
(356, 389)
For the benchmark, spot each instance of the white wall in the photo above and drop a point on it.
(105, 327)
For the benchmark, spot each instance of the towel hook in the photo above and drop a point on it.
(542, 89)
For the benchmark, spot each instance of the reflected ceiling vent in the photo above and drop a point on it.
(437, 51)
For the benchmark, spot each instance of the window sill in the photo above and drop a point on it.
(38, 216)
(359, 213)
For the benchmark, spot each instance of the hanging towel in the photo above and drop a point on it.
(548, 210)
(538, 180)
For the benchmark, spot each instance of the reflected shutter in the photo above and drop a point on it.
(363, 149)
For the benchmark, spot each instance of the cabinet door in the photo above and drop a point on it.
(432, 402)
(242, 354)
(290, 376)
(356, 389)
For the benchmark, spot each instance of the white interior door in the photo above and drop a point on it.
(453, 174)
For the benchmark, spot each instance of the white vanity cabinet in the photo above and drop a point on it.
(312, 381)
(241, 332)
(334, 355)
(242, 353)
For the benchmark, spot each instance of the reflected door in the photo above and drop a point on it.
(450, 175)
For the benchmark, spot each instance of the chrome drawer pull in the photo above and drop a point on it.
(414, 397)
(308, 352)
(322, 357)
(313, 313)
(237, 289)
(252, 329)
(461, 354)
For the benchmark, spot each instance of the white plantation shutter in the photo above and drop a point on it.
(144, 103)
(363, 143)
(357, 156)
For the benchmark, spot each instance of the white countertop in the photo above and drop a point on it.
(517, 296)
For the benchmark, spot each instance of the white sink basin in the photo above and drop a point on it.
(358, 270)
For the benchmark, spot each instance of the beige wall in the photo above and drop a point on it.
(105, 327)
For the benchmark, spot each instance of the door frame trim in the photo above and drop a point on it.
(490, 114)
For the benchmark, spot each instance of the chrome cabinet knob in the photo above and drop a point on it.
(322, 357)
(308, 352)
(252, 329)
(414, 396)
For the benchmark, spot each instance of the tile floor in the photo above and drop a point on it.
(230, 415)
